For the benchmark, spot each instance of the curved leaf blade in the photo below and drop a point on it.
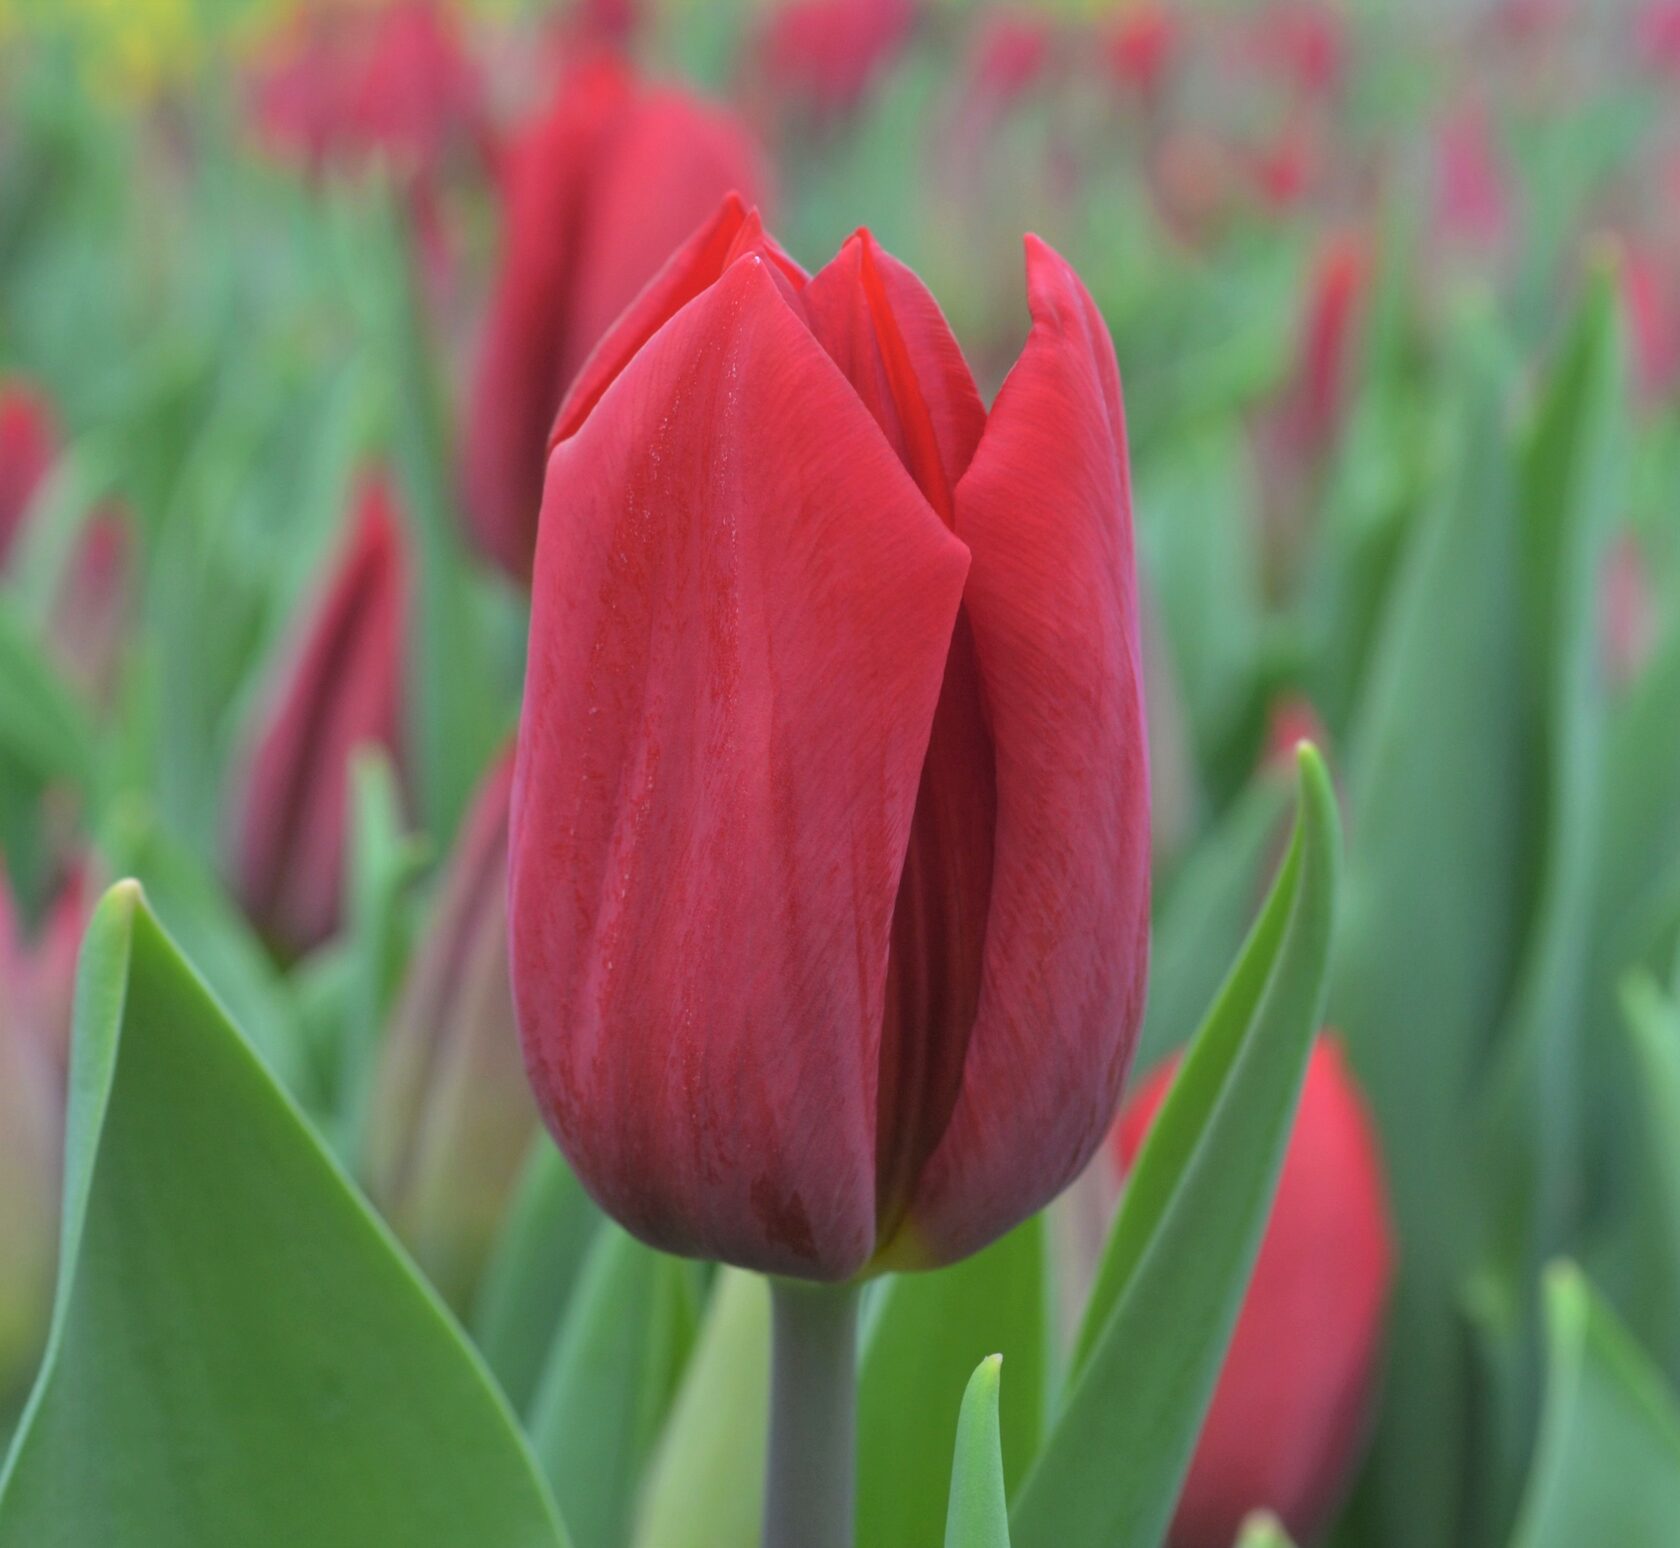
(979, 1514)
(239, 1352)
(1178, 1260)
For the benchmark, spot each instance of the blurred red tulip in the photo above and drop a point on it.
(1305, 41)
(1472, 206)
(28, 447)
(1292, 719)
(824, 55)
(90, 614)
(1286, 166)
(341, 688)
(1329, 324)
(1140, 44)
(452, 1117)
(1011, 51)
(1657, 35)
(37, 987)
(1650, 302)
(598, 192)
(355, 80)
(830, 840)
(1288, 1414)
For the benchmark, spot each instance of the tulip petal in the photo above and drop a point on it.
(1045, 508)
(886, 332)
(687, 273)
(741, 617)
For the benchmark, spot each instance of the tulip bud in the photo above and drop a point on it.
(37, 986)
(1328, 327)
(1472, 207)
(452, 1118)
(1289, 1411)
(1139, 45)
(89, 617)
(829, 858)
(351, 81)
(597, 192)
(28, 448)
(340, 687)
(823, 56)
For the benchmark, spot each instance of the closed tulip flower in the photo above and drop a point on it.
(597, 193)
(452, 1116)
(1289, 1412)
(340, 688)
(829, 865)
(28, 447)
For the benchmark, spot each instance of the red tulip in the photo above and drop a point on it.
(1657, 35)
(830, 840)
(1288, 1413)
(451, 1118)
(1471, 203)
(1305, 41)
(341, 688)
(37, 982)
(1651, 302)
(351, 81)
(1329, 321)
(1140, 45)
(824, 55)
(89, 618)
(28, 449)
(598, 193)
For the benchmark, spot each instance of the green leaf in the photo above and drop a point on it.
(1435, 878)
(239, 1352)
(1607, 1468)
(42, 726)
(1573, 488)
(383, 860)
(614, 1369)
(979, 1514)
(1654, 1030)
(922, 1336)
(705, 1486)
(1178, 1260)
(528, 1283)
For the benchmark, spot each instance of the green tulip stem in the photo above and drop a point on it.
(811, 1472)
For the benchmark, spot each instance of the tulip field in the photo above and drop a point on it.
(839, 774)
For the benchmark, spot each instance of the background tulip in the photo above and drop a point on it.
(597, 192)
(340, 687)
(37, 982)
(1290, 1412)
(829, 877)
(452, 1119)
(28, 445)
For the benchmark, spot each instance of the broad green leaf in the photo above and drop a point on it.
(705, 1486)
(1178, 1260)
(921, 1340)
(533, 1270)
(979, 1512)
(1435, 879)
(239, 1352)
(1607, 1467)
(1264, 1530)
(596, 1415)
(1653, 1022)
